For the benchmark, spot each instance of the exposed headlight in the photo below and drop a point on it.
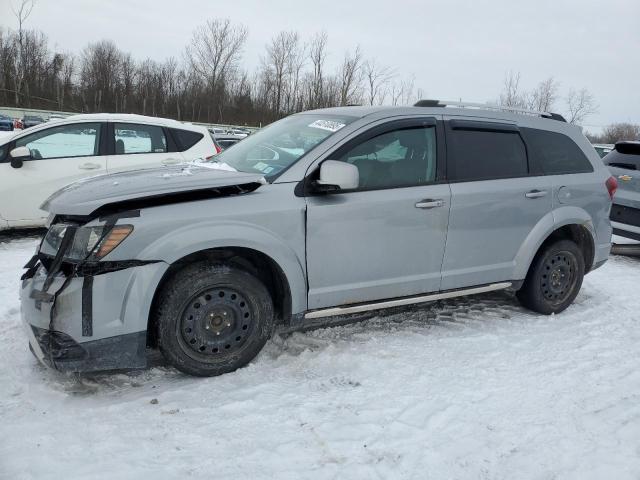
(93, 242)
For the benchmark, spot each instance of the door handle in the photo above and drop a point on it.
(89, 166)
(429, 203)
(535, 193)
(170, 161)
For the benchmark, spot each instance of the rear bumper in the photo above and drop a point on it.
(625, 221)
(99, 321)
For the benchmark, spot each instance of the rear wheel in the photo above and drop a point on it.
(554, 278)
(213, 319)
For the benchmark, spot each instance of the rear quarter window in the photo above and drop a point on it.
(554, 153)
(185, 139)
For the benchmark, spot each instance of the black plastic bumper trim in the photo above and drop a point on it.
(87, 307)
(626, 215)
(626, 234)
(63, 353)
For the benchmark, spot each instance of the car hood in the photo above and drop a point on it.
(150, 187)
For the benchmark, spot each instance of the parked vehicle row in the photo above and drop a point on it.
(237, 132)
(9, 124)
(29, 121)
(6, 123)
(603, 148)
(36, 162)
(321, 215)
(225, 141)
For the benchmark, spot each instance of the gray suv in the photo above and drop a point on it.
(323, 215)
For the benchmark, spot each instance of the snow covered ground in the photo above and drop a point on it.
(471, 388)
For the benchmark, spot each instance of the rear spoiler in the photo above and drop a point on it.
(628, 148)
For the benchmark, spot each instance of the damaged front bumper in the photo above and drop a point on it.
(90, 318)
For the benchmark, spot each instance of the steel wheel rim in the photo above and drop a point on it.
(214, 323)
(559, 277)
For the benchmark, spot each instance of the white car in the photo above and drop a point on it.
(36, 162)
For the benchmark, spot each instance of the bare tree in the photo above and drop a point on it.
(408, 86)
(402, 91)
(350, 77)
(295, 62)
(511, 95)
(616, 132)
(277, 65)
(544, 96)
(377, 78)
(580, 105)
(317, 55)
(100, 72)
(21, 13)
(214, 53)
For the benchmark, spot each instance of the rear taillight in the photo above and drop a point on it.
(612, 186)
(218, 149)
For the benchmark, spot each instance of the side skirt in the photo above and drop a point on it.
(366, 307)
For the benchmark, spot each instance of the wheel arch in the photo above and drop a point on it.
(571, 224)
(254, 261)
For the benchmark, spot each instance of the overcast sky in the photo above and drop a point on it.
(455, 49)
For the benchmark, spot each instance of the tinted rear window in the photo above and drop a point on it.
(621, 160)
(483, 155)
(185, 139)
(555, 153)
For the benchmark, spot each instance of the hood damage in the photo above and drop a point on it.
(106, 195)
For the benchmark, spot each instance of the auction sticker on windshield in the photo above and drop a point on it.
(329, 125)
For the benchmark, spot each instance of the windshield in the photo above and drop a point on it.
(275, 148)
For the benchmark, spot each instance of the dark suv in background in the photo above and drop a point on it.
(31, 121)
(624, 163)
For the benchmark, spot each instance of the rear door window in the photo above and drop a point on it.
(477, 154)
(555, 153)
(131, 138)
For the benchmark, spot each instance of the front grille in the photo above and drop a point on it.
(627, 215)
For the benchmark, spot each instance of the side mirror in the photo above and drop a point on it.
(18, 155)
(336, 175)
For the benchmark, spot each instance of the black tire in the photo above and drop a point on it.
(213, 318)
(554, 278)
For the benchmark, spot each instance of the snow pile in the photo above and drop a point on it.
(468, 388)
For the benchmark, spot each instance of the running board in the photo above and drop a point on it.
(365, 307)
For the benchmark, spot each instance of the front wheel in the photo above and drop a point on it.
(554, 278)
(213, 318)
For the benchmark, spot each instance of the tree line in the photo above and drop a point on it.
(208, 83)
(576, 106)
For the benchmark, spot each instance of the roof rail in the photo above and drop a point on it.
(488, 106)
